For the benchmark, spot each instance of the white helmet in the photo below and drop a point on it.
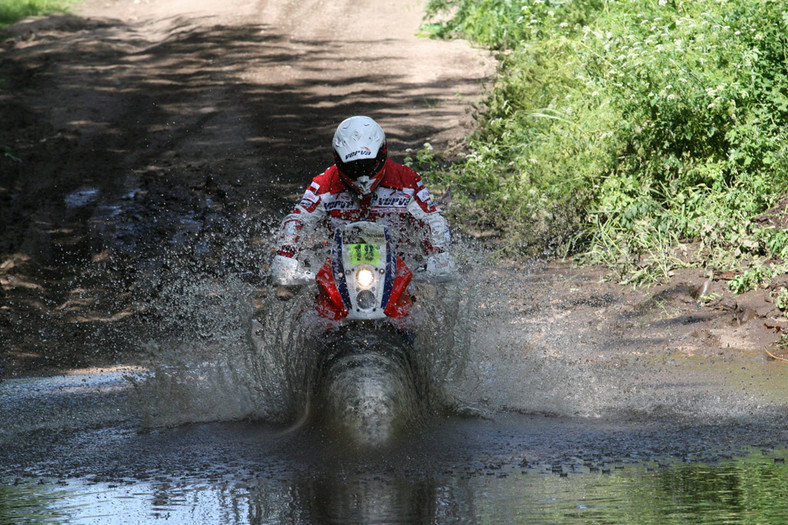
(360, 153)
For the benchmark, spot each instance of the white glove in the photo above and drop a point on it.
(441, 267)
(285, 272)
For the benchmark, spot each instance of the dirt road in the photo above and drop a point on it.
(131, 113)
(249, 91)
(137, 128)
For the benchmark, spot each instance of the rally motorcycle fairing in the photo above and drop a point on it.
(364, 278)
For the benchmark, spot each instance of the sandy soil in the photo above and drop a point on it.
(135, 127)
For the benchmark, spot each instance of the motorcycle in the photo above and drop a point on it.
(367, 386)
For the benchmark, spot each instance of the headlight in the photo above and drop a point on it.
(365, 278)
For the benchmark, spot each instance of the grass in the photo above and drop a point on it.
(12, 11)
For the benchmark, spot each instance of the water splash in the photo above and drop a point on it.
(365, 380)
(196, 368)
(530, 353)
(220, 346)
(223, 349)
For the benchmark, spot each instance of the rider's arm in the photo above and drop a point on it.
(422, 208)
(441, 266)
(307, 214)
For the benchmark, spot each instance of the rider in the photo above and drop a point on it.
(364, 184)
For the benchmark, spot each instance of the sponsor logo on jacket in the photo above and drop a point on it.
(391, 202)
(390, 198)
(340, 201)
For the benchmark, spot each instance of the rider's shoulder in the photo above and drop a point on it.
(328, 182)
(400, 176)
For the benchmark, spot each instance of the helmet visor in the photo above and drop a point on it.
(360, 168)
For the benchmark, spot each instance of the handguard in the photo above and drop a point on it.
(285, 271)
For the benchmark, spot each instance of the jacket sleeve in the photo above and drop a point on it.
(423, 209)
(307, 214)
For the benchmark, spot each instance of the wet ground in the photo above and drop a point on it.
(100, 467)
(544, 429)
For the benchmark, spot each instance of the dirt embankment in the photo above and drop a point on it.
(134, 128)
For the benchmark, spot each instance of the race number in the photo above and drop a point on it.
(364, 254)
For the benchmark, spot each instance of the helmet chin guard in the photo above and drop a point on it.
(360, 153)
(364, 185)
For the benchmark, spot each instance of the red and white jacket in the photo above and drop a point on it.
(400, 201)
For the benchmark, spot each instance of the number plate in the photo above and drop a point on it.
(364, 254)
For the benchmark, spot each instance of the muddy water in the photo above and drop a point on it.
(515, 468)
(536, 426)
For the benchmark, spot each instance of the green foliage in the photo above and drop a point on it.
(505, 24)
(624, 131)
(425, 160)
(709, 298)
(775, 242)
(14, 10)
(780, 297)
(749, 279)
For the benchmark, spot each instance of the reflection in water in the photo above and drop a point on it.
(748, 489)
(359, 500)
(381, 499)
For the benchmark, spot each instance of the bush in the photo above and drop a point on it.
(620, 130)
